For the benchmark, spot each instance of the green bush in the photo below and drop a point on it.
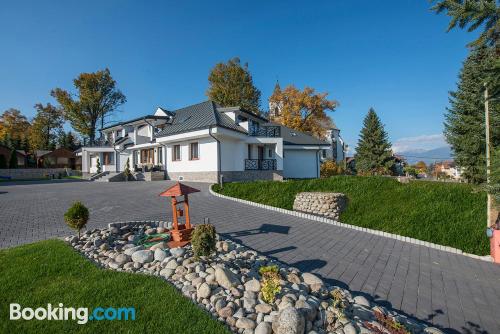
(330, 168)
(98, 165)
(127, 171)
(203, 240)
(270, 283)
(77, 216)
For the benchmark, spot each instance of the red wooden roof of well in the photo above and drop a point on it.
(179, 189)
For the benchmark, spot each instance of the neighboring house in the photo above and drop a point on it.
(59, 158)
(337, 149)
(20, 154)
(449, 169)
(203, 142)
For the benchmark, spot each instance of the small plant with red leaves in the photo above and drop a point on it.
(389, 325)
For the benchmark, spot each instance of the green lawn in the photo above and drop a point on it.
(52, 272)
(448, 214)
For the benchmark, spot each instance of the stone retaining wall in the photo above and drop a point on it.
(322, 204)
(32, 173)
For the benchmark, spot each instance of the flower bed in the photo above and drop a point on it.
(229, 285)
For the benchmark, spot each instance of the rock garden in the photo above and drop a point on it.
(248, 291)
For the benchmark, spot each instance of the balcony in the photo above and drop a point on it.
(260, 164)
(265, 131)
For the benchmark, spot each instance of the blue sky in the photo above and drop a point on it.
(394, 56)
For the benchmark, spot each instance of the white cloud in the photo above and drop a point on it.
(424, 142)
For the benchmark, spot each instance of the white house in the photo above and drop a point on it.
(206, 142)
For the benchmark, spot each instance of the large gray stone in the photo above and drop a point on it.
(252, 285)
(263, 328)
(361, 300)
(203, 291)
(226, 278)
(132, 250)
(177, 252)
(122, 259)
(143, 256)
(290, 321)
(172, 264)
(159, 254)
(245, 323)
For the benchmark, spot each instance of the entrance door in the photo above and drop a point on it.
(261, 152)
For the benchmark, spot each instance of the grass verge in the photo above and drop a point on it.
(52, 272)
(448, 214)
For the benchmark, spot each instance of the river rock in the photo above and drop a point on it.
(132, 250)
(143, 256)
(159, 254)
(245, 323)
(226, 278)
(290, 321)
(203, 291)
(263, 328)
(177, 252)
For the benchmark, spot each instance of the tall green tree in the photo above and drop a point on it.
(68, 140)
(14, 127)
(46, 126)
(464, 119)
(472, 15)
(97, 98)
(231, 84)
(373, 153)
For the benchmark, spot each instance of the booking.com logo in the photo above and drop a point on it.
(80, 314)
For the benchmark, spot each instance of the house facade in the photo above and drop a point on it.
(205, 142)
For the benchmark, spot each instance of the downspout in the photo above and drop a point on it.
(318, 175)
(218, 154)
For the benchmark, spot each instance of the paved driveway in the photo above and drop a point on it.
(457, 293)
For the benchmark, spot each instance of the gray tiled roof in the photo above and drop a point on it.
(294, 137)
(196, 117)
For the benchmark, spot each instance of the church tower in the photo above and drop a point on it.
(275, 107)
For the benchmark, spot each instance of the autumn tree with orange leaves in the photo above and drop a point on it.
(302, 110)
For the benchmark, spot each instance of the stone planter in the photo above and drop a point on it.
(323, 204)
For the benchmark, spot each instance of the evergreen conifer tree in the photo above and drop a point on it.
(373, 153)
(464, 120)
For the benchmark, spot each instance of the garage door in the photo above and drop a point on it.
(300, 164)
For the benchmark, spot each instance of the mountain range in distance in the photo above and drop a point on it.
(427, 156)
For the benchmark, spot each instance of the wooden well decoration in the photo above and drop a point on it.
(180, 233)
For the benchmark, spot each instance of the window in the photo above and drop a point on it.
(270, 153)
(147, 156)
(176, 153)
(323, 154)
(160, 155)
(249, 151)
(107, 158)
(194, 153)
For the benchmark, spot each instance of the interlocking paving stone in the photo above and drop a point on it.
(455, 292)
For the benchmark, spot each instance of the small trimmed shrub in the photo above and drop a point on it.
(127, 171)
(77, 216)
(330, 168)
(98, 166)
(270, 283)
(203, 240)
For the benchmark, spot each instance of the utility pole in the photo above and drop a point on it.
(487, 126)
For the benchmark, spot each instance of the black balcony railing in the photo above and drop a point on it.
(260, 164)
(265, 131)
